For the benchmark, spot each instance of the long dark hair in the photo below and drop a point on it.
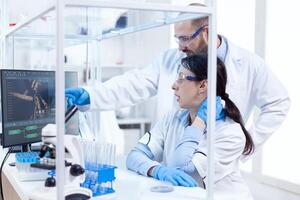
(198, 65)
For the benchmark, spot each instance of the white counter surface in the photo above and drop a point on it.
(128, 186)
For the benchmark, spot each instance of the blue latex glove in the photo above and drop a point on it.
(175, 176)
(77, 96)
(202, 111)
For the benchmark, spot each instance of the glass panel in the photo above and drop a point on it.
(281, 152)
(245, 10)
(97, 42)
(19, 11)
(33, 46)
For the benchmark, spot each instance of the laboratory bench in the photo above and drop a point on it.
(128, 186)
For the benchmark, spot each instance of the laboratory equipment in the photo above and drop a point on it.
(100, 167)
(34, 166)
(162, 188)
(25, 172)
(27, 105)
(126, 5)
(99, 179)
(74, 166)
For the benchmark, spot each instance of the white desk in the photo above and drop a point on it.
(128, 186)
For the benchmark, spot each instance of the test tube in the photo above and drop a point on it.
(93, 155)
(108, 152)
(99, 154)
(89, 154)
(113, 162)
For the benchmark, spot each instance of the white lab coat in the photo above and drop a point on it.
(229, 145)
(250, 83)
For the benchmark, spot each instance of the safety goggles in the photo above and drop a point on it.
(181, 77)
(185, 40)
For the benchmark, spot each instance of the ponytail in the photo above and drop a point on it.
(198, 65)
(233, 112)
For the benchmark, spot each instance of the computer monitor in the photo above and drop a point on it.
(28, 104)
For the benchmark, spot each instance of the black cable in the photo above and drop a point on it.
(2, 164)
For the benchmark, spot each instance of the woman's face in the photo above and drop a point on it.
(189, 93)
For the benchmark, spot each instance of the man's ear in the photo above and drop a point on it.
(205, 34)
(203, 87)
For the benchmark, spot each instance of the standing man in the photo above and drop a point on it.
(250, 82)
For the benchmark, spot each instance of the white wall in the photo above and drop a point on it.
(235, 20)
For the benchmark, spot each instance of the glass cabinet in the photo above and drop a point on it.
(99, 38)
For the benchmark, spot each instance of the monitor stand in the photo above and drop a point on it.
(25, 148)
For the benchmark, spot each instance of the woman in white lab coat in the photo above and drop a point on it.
(175, 149)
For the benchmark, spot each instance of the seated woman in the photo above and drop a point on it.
(175, 150)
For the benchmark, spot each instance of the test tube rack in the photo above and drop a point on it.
(25, 171)
(99, 159)
(99, 179)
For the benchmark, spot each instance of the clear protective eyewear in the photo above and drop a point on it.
(185, 40)
(181, 76)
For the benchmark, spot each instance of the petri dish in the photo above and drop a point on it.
(162, 188)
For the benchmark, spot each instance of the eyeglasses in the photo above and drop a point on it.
(185, 40)
(181, 76)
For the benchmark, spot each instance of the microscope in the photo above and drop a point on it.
(74, 166)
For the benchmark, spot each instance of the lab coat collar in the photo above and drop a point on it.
(223, 48)
(234, 52)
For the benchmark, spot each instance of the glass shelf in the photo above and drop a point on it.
(85, 24)
(32, 42)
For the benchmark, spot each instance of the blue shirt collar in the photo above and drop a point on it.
(223, 48)
(183, 116)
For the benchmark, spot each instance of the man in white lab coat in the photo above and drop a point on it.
(250, 82)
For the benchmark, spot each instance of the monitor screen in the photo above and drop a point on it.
(28, 104)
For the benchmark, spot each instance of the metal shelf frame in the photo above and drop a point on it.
(85, 38)
(60, 5)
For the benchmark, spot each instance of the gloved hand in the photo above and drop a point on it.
(202, 111)
(175, 176)
(77, 96)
